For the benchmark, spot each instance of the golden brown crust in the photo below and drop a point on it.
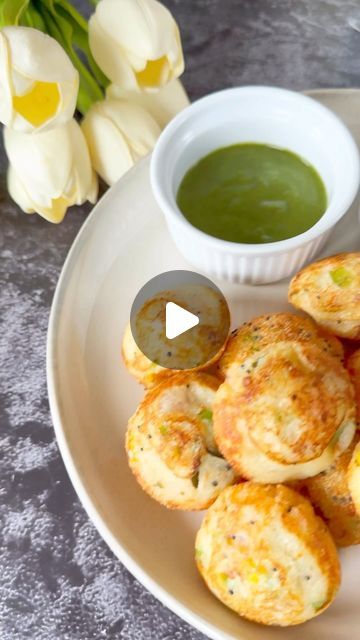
(146, 372)
(264, 330)
(266, 555)
(170, 444)
(353, 366)
(282, 416)
(182, 378)
(150, 374)
(330, 495)
(354, 477)
(195, 350)
(329, 290)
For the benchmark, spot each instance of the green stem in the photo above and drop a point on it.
(11, 11)
(80, 37)
(59, 28)
(32, 18)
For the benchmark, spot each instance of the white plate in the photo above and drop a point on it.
(124, 243)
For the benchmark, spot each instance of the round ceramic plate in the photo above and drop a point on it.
(124, 243)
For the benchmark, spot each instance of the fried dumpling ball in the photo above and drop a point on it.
(353, 366)
(264, 553)
(354, 477)
(262, 331)
(329, 291)
(286, 415)
(146, 372)
(171, 447)
(330, 494)
(194, 350)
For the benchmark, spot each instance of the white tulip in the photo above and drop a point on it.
(50, 171)
(118, 134)
(136, 43)
(162, 105)
(38, 83)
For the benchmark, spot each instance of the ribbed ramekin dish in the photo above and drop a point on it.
(268, 115)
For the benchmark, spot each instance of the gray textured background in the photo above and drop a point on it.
(58, 580)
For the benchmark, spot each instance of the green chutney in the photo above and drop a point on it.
(252, 193)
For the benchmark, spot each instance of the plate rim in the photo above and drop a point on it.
(160, 593)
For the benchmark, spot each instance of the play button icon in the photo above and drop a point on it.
(180, 320)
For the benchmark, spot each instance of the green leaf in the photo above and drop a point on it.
(81, 38)
(71, 11)
(11, 11)
(32, 18)
(60, 29)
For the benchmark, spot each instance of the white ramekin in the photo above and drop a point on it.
(255, 114)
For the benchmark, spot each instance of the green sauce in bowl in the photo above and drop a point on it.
(252, 193)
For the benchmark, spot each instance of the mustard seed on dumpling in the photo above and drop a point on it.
(265, 330)
(264, 553)
(286, 414)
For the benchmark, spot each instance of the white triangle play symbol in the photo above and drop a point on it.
(178, 320)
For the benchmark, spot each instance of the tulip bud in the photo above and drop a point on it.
(162, 105)
(118, 134)
(38, 83)
(50, 171)
(136, 43)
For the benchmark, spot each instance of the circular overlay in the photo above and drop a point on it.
(180, 320)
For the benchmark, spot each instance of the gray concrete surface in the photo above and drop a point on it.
(58, 580)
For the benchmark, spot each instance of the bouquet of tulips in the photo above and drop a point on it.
(117, 73)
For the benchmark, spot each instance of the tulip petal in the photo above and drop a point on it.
(44, 161)
(162, 105)
(36, 55)
(94, 189)
(5, 83)
(118, 134)
(175, 55)
(136, 125)
(50, 171)
(109, 55)
(38, 83)
(54, 213)
(21, 84)
(84, 176)
(18, 192)
(142, 26)
(136, 43)
(155, 74)
(39, 104)
(110, 154)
